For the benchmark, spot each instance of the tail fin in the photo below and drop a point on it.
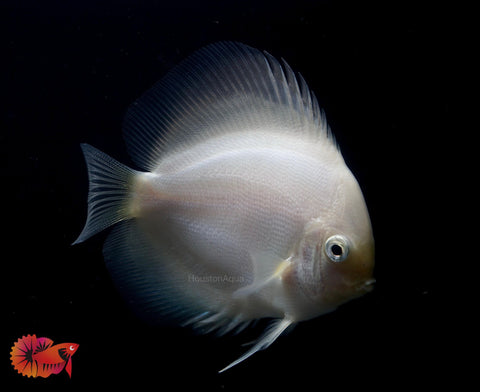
(109, 192)
(23, 351)
(22, 356)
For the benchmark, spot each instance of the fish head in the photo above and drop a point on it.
(347, 252)
(71, 348)
(66, 350)
(346, 267)
(335, 258)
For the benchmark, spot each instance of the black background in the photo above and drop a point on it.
(383, 73)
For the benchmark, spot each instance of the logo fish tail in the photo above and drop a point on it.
(22, 356)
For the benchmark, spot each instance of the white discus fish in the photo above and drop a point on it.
(244, 209)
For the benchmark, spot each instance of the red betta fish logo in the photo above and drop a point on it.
(38, 357)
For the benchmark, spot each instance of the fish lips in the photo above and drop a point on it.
(366, 286)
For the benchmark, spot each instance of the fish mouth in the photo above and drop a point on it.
(366, 286)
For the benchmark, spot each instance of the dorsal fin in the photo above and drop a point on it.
(222, 88)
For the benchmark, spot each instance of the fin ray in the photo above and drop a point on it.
(222, 88)
(270, 335)
(22, 356)
(108, 195)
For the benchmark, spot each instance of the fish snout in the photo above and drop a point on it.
(366, 286)
(72, 348)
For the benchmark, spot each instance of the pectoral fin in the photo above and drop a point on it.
(266, 269)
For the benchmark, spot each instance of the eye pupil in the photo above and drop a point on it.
(337, 250)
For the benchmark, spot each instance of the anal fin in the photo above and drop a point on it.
(150, 281)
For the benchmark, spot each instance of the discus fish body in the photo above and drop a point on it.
(244, 208)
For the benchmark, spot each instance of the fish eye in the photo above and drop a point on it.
(72, 348)
(336, 248)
